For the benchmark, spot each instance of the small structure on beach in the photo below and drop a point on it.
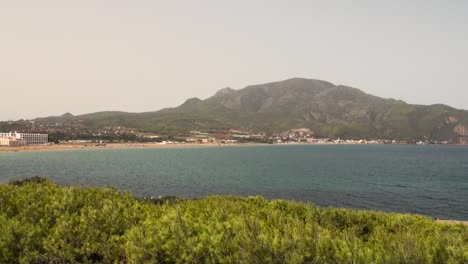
(11, 142)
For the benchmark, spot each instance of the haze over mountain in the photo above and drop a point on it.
(327, 109)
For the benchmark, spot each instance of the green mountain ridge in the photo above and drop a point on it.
(327, 109)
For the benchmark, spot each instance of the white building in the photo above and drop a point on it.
(27, 138)
(11, 142)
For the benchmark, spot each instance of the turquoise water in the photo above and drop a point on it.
(430, 180)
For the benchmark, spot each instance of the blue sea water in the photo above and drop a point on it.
(430, 180)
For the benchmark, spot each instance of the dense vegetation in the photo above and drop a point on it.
(41, 222)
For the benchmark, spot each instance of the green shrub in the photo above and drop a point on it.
(43, 223)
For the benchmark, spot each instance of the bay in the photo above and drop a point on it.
(430, 180)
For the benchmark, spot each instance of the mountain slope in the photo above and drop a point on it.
(329, 110)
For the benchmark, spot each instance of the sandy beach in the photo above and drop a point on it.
(109, 146)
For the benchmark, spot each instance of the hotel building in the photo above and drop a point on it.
(18, 139)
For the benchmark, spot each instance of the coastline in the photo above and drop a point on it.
(116, 146)
(93, 146)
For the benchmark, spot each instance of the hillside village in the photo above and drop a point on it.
(75, 131)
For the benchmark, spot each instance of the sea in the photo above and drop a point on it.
(425, 179)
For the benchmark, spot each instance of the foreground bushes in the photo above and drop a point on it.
(43, 223)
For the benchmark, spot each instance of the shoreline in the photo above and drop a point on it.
(106, 146)
(92, 146)
(118, 146)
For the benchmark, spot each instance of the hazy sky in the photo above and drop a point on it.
(136, 55)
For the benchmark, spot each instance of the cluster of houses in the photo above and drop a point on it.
(14, 139)
(293, 136)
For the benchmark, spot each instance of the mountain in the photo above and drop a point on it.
(327, 109)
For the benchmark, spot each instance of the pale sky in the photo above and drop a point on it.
(83, 56)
